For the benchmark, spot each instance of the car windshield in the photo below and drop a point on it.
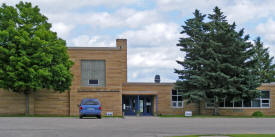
(90, 102)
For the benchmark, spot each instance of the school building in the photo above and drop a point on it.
(101, 72)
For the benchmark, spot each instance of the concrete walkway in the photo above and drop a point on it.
(131, 126)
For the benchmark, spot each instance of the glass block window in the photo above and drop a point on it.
(93, 73)
(177, 100)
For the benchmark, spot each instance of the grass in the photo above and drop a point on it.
(210, 116)
(113, 117)
(23, 115)
(162, 116)
(36, 115)
(253, 135)
(235, 135)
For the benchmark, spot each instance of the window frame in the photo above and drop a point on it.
(251, 103)
(177, 101)
(105, 73)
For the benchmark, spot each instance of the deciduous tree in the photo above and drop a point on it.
(32, 57)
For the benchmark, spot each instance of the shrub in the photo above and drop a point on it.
(258, 114)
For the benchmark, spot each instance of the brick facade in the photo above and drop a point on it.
(110, 96)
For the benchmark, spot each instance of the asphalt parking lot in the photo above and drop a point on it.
(130, 126)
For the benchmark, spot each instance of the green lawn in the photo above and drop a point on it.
(236, 135)
(23, 115)
(209, 116)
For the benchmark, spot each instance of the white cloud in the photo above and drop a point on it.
(153, 50)
(62, 29)
(245, 10)
(267, 30)
(239, 11)
(156, 34)
(122, 18)
(102, 19)
(95, 41)
(153, 57)
(271, 49)
(188, 6)
(53, 6)
(140, 18)
(153, 46)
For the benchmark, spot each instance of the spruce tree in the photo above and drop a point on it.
(265, 67)
(218, 61)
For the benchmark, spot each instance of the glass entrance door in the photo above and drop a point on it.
(129, 105)
(147, 105)
(132, 104)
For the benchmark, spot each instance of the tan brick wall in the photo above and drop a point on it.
(116, 73)
(11, 103)
(41, 102)
(163, 97)
(52, 103)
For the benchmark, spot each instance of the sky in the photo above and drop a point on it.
(152, 27)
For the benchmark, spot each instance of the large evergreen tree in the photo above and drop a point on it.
(218, 61)
(265, 67)
(32, 57)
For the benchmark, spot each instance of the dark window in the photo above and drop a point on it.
(221, 104)
(174, 92)
(93, 82)
(265, 101)
(238, 104)
(177, 100)
(174, 98)
(247, 103)
(228, 103)
(256, 103)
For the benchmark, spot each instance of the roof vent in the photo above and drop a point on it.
(157, 79)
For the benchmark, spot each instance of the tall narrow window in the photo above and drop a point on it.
(93, 73)
(177, 100)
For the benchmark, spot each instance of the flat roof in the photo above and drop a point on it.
(93, 48)
(269, 84)
(139, 93)
(149, 83)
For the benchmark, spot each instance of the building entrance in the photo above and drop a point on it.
(132, 104)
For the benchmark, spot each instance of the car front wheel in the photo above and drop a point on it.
(99, 116)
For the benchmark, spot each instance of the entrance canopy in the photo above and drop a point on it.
(139, 93)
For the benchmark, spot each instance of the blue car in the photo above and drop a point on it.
(90, 107)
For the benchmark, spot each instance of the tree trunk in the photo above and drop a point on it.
(199, 107)
(216, 109)
(27, 101)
